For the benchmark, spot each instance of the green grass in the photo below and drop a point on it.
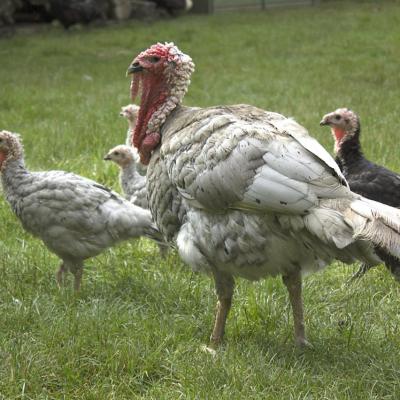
(136, 328)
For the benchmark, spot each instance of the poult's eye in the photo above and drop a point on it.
(154, 59)
(116, 153)
(338, 117)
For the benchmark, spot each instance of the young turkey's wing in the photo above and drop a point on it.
(60, 199)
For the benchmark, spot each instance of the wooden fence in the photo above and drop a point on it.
(211, 6)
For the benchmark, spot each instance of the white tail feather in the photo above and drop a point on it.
(375, 222)
(373, 210)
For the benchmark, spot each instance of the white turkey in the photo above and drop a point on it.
(245, 192)
(132, 183)
(75, 217)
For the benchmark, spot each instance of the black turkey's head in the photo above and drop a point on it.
(162, 75)
(344, 123)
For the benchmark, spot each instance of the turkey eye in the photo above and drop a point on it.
(337, 117)
(154, 59)
(117, 153)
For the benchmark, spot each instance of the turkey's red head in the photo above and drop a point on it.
(344, 124)
(161, 76)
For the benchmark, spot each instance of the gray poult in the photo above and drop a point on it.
(75, 217)
(131, 112)
(133, 184)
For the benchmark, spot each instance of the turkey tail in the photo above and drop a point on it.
(375, 222)
(139, 223)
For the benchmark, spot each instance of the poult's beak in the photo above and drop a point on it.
(133, 68)
(107, 157)
(324, 122)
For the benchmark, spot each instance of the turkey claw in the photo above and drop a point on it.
(207, 349)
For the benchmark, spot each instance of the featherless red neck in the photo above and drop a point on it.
(3, 157)
(161, 75)
(338, 134)
(153, 95)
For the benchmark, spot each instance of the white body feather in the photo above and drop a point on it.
(250, 193)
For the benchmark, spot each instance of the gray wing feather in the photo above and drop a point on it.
(254, 165)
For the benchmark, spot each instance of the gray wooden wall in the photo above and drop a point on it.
(210, 6)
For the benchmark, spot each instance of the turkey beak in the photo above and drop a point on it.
(324, 122)
(107, 157)
(133, 68)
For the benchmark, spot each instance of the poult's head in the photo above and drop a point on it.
(122, 155)
(344, 123)
(130, 112)
(10, 147)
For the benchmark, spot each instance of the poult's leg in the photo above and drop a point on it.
(60, 275)
(360, 272)
(224, 284)
(163, 250)
(292, 282)
(77, 271)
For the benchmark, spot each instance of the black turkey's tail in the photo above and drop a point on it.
(392, 263)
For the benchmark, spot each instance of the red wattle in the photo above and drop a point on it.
(149, 143)
(3, 156)
(339, 134)
(134, 87)
(153, 95)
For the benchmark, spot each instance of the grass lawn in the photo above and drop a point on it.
(136, 328)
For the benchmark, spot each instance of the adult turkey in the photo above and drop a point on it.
(364, 177)
(246, 192)
(75, 217)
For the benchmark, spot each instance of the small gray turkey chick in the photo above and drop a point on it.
(75, 217)
(132, 183)
(131, 112)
